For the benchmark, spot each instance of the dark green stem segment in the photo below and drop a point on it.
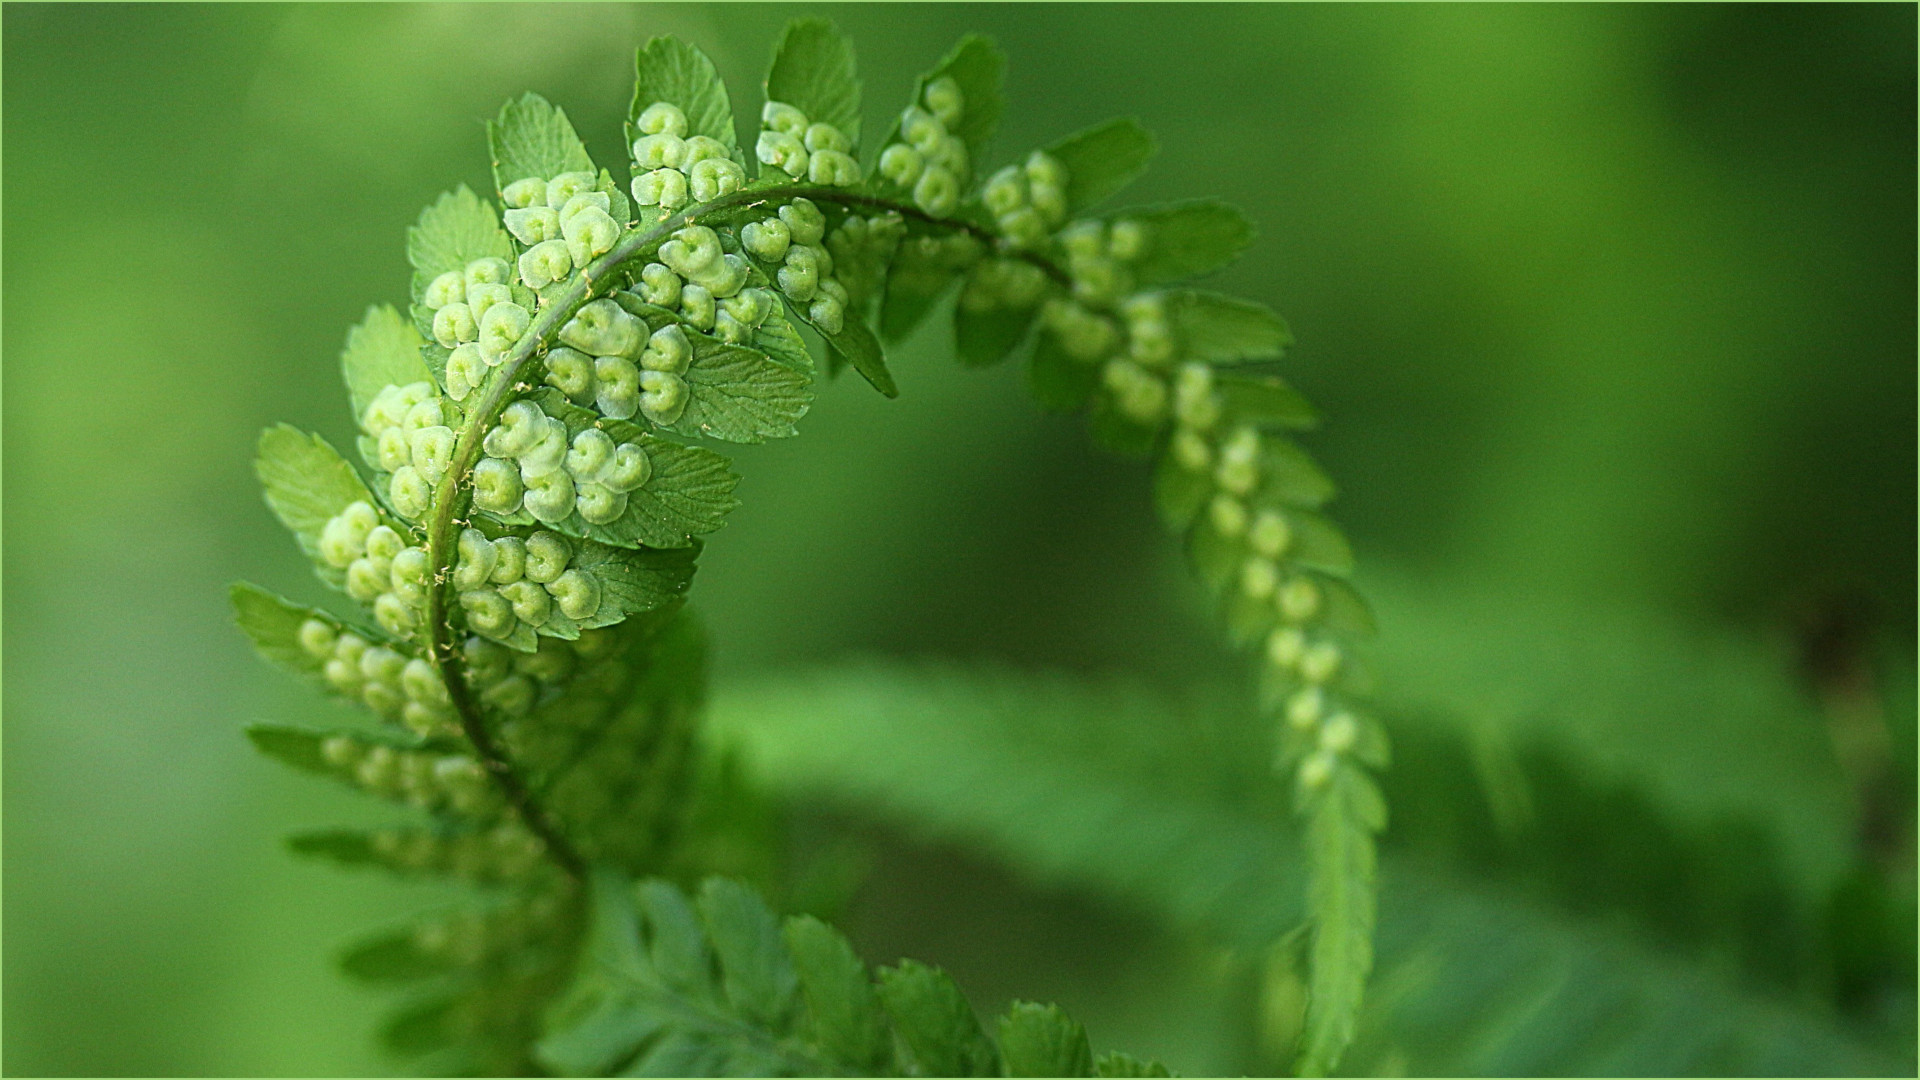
(452, 498)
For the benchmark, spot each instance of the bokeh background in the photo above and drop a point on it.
(1611, 311)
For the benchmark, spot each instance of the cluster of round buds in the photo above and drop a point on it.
(394, 686)
(474, 315)
(469, 936)
(1137, 377)
(529, 463)
(611, 359)
(1105, 322)
(382, 570)
(562, 222)
(707, 286)
(862, 250)
(1232, 461)
(679, 168)
(505, 851)
(1312, 710)
(1196, 409)
(515, 582)
(820, 153)
(1003, 283)
(1098, 255)
(514, 682)
(425, 778)
(944, 254)
(412, 432)
(1028, 202)
(1083, 333)
(792, 238)
(930, 159)
(477, 319)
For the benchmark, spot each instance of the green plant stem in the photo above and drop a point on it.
(452, 499)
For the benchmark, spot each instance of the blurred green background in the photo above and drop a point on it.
(1611, 311)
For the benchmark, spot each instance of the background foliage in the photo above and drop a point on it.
(1610, 309)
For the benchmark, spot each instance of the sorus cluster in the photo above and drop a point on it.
(819, 153)
(928, 261)
(474, 314)
(929, 159)
(1138, 377)
(513, 682)
(410, 435)
(393, 685)
(510, 582)
(1028, 202)
(383, 570)
(529, 463)
(428, 779)
(863, 250)
(1105, 322)
(679, 168)
(1130, 335)
(1002, 282)
(1233, 458)
(563, 223)
(506, 851)
(706, 285)
(469, 936)
(791, 239)
(409, 690)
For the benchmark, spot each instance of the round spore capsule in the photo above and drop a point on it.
(317, 638)
(578, 594)
(617, 387)
(629, 468)
(549, 496)
(510, 560)
(531, 603)
(598, 504)
(662, 118)
(497, 487)
(547, 556)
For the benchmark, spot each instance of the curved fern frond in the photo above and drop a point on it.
(535, 427)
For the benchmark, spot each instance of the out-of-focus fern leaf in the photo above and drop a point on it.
(670, 70)
(1106, 787)
(1342, 820)
(936, 1022)
(1709, 726)
(1226, 329)
(1103, 159)
(532, 138)
(671, 988)
(955, 751)
(813, 70)
(608, 756)
(1472, 982)
(1040, 1040)
(1200, 236)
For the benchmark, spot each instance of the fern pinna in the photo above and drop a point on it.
(536, 427)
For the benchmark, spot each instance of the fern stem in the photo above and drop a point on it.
(451, 500)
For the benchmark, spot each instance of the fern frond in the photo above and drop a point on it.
(1166, 803)
(720, 987)
(533, 426)
(1479, 982)
(1082, 783)
(1710, 724)
(1342, 818)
